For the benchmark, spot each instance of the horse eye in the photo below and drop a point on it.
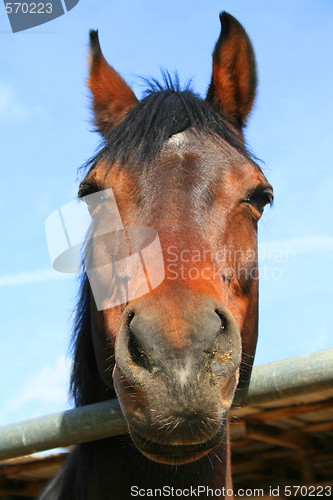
(260, 198)
(87, 188)
(92, 196)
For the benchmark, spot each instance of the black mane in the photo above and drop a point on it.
(86, 385)
(165, 110)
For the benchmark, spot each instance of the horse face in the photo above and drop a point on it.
(178, 350)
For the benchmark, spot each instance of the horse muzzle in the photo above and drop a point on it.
(176, 377)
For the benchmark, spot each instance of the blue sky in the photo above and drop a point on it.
(46, 135)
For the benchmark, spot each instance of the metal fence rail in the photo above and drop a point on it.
(270, 382)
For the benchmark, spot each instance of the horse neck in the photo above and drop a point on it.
(115, 468)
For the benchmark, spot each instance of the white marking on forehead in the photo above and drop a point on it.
(178, 140)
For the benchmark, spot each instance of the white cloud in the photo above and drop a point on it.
(10, 106)
(287, 249)
(37, 276)
(45, 392)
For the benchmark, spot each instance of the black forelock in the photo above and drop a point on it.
(165, 110)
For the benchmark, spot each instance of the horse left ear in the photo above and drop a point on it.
(112, 97)
(234, 79)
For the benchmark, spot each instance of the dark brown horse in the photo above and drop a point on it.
(175, 356)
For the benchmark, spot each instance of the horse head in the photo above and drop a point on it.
(177, 163)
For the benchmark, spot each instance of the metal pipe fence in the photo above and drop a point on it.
(270, 382)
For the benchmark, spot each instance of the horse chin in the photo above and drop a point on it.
(176, 454)
(176, 459)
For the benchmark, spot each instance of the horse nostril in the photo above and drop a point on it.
(137, 354)
(129, 318)
(223, 320)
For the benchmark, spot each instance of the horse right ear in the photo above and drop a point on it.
(112, 97)
(234, 79)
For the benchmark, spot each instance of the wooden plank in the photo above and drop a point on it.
(21, 488)
(292, 411)
(320, 427)
(287, 439)
(273, 454)
(8, 469)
